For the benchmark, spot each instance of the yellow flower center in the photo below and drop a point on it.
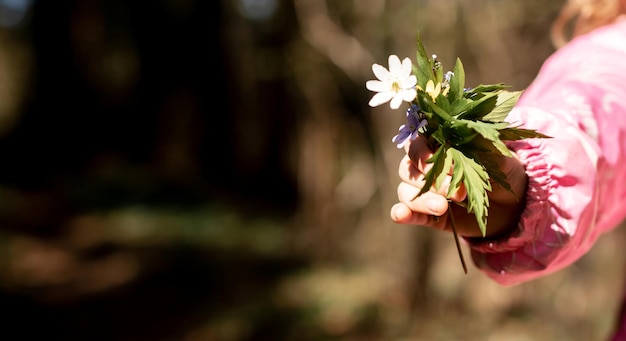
(395, 86)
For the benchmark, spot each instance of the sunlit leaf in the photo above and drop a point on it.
(506, 102)
(482, 88)
(423, 68)
(514, 134)
(478, 108)
(476, 181)
(457, 82)
(438, 160)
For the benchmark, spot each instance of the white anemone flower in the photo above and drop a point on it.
(396, 84)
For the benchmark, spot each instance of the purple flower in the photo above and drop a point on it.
(409, 131)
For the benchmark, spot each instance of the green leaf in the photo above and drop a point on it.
(487, 88)
(514, 134)
(443, 173)
(501, 147)
(438, 160)
(427, 104)
(438, 70)
(439, 136)
(476, 181)
(460, 132)
(467, 130)
(482, 145)
(478, 108)
(423, 69)
(506, 102)
(485, 129)
(457, 82)
(443, 103)
(486, 154)
(459, 106)
(489, 161)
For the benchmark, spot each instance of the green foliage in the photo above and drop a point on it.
(424, 67)
(467, 128)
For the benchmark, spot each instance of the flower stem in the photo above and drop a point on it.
(456, 241)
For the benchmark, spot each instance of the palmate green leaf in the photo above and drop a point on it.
(506, 102)
(490, 163)
(476, 181)
(490, 131)
(469, 172)
(459, 106)
(515, 133)
(480, 145)
(501, 148)
(447, 164)
(438, 160)
(458, 133)
(478, 108)
(486, 154)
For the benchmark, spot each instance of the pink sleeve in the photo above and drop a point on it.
(577, 179)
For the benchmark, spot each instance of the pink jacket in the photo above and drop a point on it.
(577, 188)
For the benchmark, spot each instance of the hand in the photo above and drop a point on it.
(432, 208)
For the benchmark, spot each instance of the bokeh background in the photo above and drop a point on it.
(210, 170)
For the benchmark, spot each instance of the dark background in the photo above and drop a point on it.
(210, 170)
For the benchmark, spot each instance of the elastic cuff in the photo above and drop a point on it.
(537, 212)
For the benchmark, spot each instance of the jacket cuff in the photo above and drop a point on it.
(532, 244)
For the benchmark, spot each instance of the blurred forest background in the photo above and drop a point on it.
(210, 170)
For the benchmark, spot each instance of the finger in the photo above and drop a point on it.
(426, 203)
(419, 151)
(408, 171)
(402, 214)
(413, 167)
(409, 174)
(459, 195)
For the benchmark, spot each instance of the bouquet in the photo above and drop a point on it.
(466, 127)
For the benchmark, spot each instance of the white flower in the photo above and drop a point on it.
(395, 85)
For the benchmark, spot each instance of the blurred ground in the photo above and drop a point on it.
(184, 170)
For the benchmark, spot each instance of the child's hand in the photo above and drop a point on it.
(432, 208)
